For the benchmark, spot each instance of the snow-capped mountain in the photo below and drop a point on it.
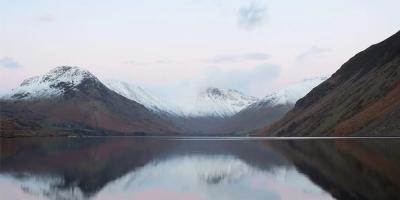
(290, 94)
(64, 79)
(56, 82)
(269, 109)
(205, 111)
(71, 98)
(219, 102)
(146, 98)
(212, 102)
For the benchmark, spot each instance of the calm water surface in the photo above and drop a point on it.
(166, 168)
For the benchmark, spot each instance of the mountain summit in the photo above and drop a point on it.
(59, 81)
(220, 102)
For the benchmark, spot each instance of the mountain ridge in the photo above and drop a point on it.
(209, 102)
(56, 82)
(361, 98)
(142, 96)
(212, 111)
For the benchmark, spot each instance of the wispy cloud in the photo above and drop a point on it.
(143, 63)
(258, 80)
(312, 52)
(163, 62)
(255, 81)
(131, 62)
(251, 15)
(8, 62)
(46, 18)
(240, 57)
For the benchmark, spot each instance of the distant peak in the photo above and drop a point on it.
(214, 91)
(53, 83)
(68, 73)
(213, 101)
(69, 70)
(65, 68)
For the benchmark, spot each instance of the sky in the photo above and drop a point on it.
(173, 46)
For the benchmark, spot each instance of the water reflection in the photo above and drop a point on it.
(134, 168)
(209, 177)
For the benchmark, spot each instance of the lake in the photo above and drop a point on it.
(101, 168)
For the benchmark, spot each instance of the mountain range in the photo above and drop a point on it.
(72, 99)
(208, 102)
(361, 98)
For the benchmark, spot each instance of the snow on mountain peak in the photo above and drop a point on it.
(219, 102)
(53, 83)
(209, 102)
(292, 93)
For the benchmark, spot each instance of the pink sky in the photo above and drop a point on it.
(162, 44)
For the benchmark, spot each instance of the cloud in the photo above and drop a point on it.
(312, 52)
(251, 16)
(258, 80)
(46, 18)
(8, 62)
(142, 63)
(163, 62)
(239, 58)
(131, 62)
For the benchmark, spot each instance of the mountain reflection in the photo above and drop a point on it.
(139, 168)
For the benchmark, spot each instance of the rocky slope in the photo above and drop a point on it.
(70, 98)
(361, 98)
